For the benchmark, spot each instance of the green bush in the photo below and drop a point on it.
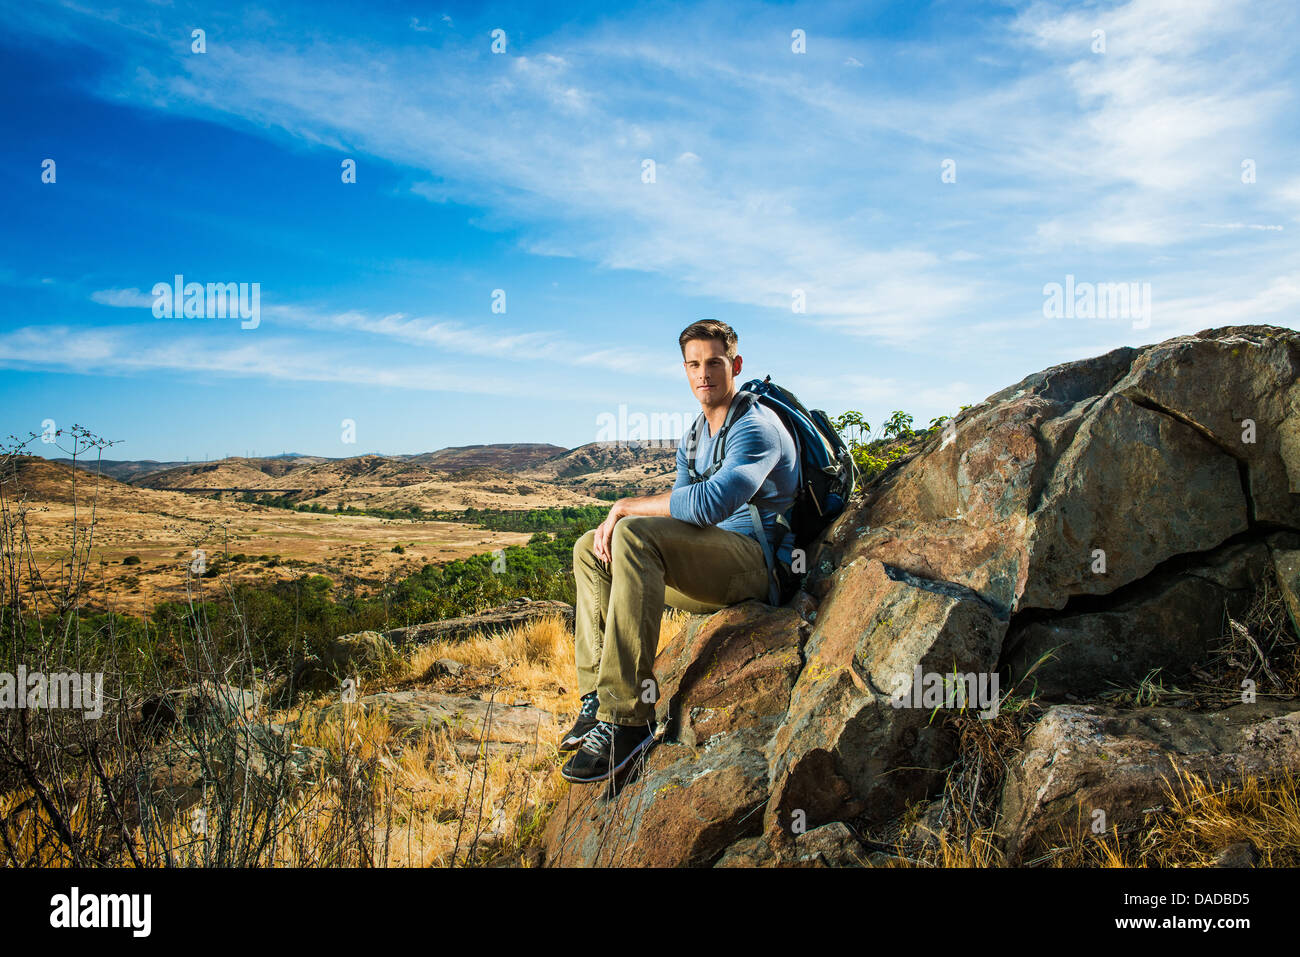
(897, 438)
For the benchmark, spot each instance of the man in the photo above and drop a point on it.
(693, 548)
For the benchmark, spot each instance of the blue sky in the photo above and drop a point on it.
(522, 171)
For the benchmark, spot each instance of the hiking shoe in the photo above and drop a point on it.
(586, 721)
(606, 750)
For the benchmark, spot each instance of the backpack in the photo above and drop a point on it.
(827, 476)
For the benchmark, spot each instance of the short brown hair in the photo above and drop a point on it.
(710, 329)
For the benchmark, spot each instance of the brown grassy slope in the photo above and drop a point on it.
(604, 458)
(373, 481)
(310, 474)
(507, 456)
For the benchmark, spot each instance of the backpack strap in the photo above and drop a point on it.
(774, 587)
(739, 406)
(756, 523)
(692, 443)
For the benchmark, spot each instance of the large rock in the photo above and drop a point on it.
(1238, 387)
(844, 748)
(1125, 466)
(1080, 759)
(205, 700)
(361, 656)
(687, 806)
(729, 671)
(257, 760)
(1138, 454)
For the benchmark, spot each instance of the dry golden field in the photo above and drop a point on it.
(163, 528)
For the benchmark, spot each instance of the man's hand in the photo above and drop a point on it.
(638, 505)
(605, 532)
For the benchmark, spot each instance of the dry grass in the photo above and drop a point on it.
(1197, 821)
(488, 810)
(427, 802)
(442, 808)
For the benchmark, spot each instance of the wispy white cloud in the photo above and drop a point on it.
(138, 349)
(492, 341)
(123, 298)
(478, 339)
(1272, 227)
(1184, 92)
(1276, 301)
(551, 139)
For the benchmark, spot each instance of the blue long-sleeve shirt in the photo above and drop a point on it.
(760, 456)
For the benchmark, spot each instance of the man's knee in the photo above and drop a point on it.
(584, 546)
(635, 531)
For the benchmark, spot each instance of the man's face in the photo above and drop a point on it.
(711, 374)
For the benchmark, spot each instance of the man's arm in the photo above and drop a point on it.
(643, 504)
(753, 450)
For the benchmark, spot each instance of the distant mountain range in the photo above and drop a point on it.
(587, 469)
(506, 456)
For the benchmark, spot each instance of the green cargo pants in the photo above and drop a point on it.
(655, 560)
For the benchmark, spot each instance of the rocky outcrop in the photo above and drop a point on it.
(515, 614)
(373, 654)
(844, 748)
(262, 762)
(1084, 478)
(1089, 524)
(1087, 764)
(205, 700)
(474, 724)
(725, 683)
(361, 656)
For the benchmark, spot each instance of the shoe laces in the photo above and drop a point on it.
(600, 738)
(590, 705)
